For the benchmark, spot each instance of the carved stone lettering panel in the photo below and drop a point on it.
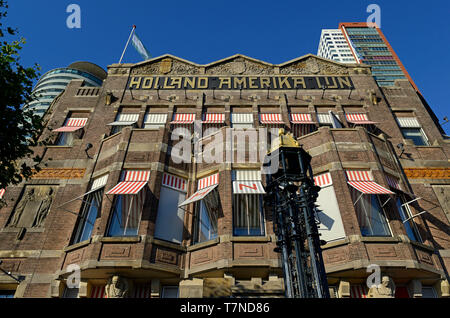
(166, 256)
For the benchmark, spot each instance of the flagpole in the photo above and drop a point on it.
(128, 42)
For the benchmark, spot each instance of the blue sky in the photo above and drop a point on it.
(204, 31)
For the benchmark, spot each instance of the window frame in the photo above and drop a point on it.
(199, 206)
(85, 214)
(405, 212)
(65, 139)
(156, 234)
(262, 223)
(118, 198)
(420, 132)
(382, 213)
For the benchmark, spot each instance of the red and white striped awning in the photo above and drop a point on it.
(271, 119)
(132, 182)
(358, 291)
(301, 119)
(211, 118)
(247, 182)
(72, 124)
(393, 182)
(204, 186)
(174, 182)
(248, 187)
(323, 180)
(363, 182)
(208, 181)
(358, 118)
(98, 292)
(2, 193)
(183, 119)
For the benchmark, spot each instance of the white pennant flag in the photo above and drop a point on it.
(137, 43)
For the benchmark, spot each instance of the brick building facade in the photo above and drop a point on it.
(107, 197)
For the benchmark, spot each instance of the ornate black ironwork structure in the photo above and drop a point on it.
(292, 194)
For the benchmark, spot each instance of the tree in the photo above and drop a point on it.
(19, 129)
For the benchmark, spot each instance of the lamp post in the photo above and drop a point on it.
(292, 194)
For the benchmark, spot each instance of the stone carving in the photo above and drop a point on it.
(26, 198)
(117, 287)
(162, 67)
(385, 290)
(313, 66)
(239, 66)
(43, 209)
(166, 66)
(33, 208)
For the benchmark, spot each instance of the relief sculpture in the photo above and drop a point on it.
(33, 208)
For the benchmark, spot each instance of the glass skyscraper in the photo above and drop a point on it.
(367, 45)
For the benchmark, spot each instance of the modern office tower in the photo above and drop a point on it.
(370, 46)
(367, 45)
(334, 46)
(153, 185)
(52, 83)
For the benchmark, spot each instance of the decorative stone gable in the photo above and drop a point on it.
(240, 65)
(311, 65)
(166, 65)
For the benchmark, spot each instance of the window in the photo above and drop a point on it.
(428, 292)
(170, 219)
(206, 223)
(130, 196)
(412, 130)
(70, 292)
(7, 293)
(123, 120)
(329, 119)
(207, 208)
(88, 216)
(410, 225)
(67, 132)
(370, 214)
(127, 214)
(247, 215)
(65, 139)
(212, 122)
(154, 121)
(91, 206)
(416, 135)
(169, 292)
(302, 124)
(241, 120)
(331, 227)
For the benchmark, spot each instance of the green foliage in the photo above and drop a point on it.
(19, 129)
